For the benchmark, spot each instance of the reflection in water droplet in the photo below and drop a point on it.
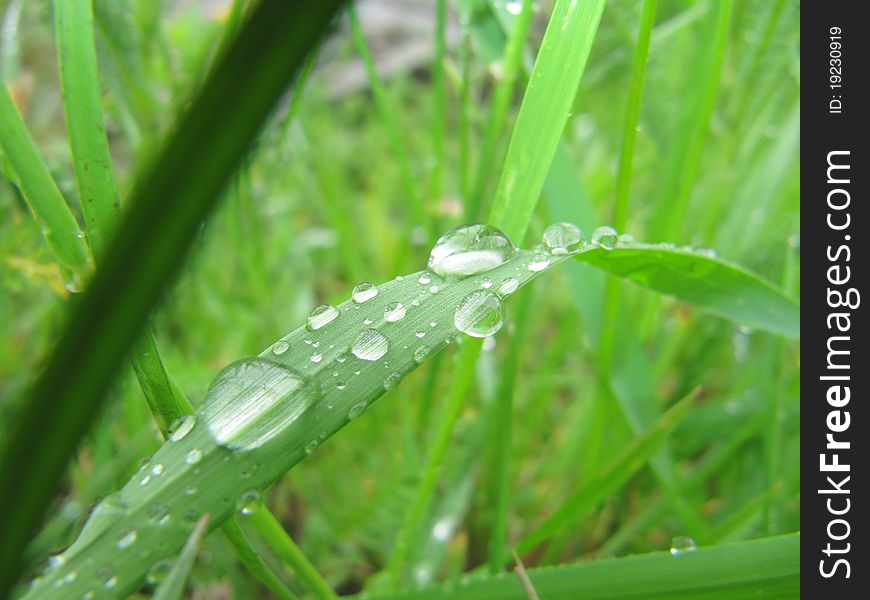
(321, 316)
(606, 237)
(364, 291)
(564, 238)
(395, 311)
(470, 249)
(371, 344)
(682, 545)
(479, 314)
(280, 347)
(180, 427)
(253, 400)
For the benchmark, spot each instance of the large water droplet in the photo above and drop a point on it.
(471, 249)
(180, 427)
(479, 314)
(280, 347)
(507, 287)
(682, 545)
(395, 311)
(371, 344)
(321, 316)
(364, 291)
(564, 238)
(253, 400)
(606, 237)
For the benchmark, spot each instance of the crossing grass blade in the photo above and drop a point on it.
(172, 588)
(166, 211)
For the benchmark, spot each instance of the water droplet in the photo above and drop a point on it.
(111, 582)
(89, 595)
(415, 302)
(479, 314)
(682, 545)
(128, 539)
(158, 572)
(395, 311)
(371, 344)
(321, 316)
(193, 457)
(191, 491)
(421, 353)
(157, 470)
(69, 578)
(159, 513)
(308, 341)
(364, 291)
(606, 237)
(486, 283)
(145, 480)
(539, 262)
(391, 380)
(56, 561)
(341, 357)
(625, 238)
(356, 410)
(310, 447)
(420, 334)
(249, 502)
(507, 287)
(340, 385)
(316, 357)
(253, 400)
(424, 278)
(470, 249)
(514, 7)
(280, 347)
(564, 238)
(399, 278)
(180, 427)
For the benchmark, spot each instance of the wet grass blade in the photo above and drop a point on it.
(166, 211)
(763, 568)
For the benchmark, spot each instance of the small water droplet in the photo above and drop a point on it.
(158, 572)
(340, 385)
(157, 470)
(391, 380)
(399, 278)
(128, 539)
(420, 334)
(395, 311)
(191, 491)
(421, 353)
(310, 447)
(606, 237)
(308, 341)
(479, 314)
(514, 7)
(316, 357)
(424, 278)
(539, 262)
(159, 513)
(434, 289)
(356, 410)
(180, 427)
(470, 249)
(564, 238)
(682, 545)
(249, 502)
(280, 347)
(89, 595)
(486, 283)
(321, 316)
(370, 345)
(364, 291)
(145, 480)
(193, 457)
(56, 561)
(111, 582)
(507, 287)
(415, 302)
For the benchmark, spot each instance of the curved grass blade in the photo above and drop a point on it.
(764, 568)
(166, 212)
(710, 283)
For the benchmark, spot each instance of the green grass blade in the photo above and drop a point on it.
(59, 226)
(166, 211)
(439, 100)
(253, 561)
(623, 467)
(763, 568)
(79, 80)
(544, 112)
(172, 588)
(712, 284)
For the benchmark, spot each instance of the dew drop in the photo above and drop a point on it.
(180, 427)
(470, 249)
(364, 291)
(316, 357)
(395, 311)
(111, 582)
(145, 480)
(507, 287)
(606, 237)
(514, 7)
(191, 491)
(158, 513)
(486, 283)
(391, 380)
(340, 385)
(310, 447)
(682, 545)
(280, 347)
(321, 316)
(421, 353)
(89, 595)
(420, 334)
(367, 321)
(424, 278)
(253, 400)
(249, 502)
(56, 561)
(415, 302)
(193, 457)
(157, 470)
(158, 572)
(371, 344)
(128, 539)
(539, 262)
(356, 410)
(564, 238)
(479, 314)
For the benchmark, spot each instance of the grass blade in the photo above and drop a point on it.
(253, 561)
(166, 211)
(172, 588)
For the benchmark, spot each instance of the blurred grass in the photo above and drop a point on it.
(321, 205)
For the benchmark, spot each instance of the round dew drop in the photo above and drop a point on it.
(280, 347)
(370, 345)
(364, 291)
(564, 238)
(180, 427)
(356, 410)
(193, 457)
(470, 249)
(606, 237)
(539, 262)
(128, 539)
(682, 545)
(321, 316)
(249, 502)
(394, 311)
(479, 314)
(424, 278)
(507, 287)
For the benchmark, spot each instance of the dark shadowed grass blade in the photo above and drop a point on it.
(166, 211)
